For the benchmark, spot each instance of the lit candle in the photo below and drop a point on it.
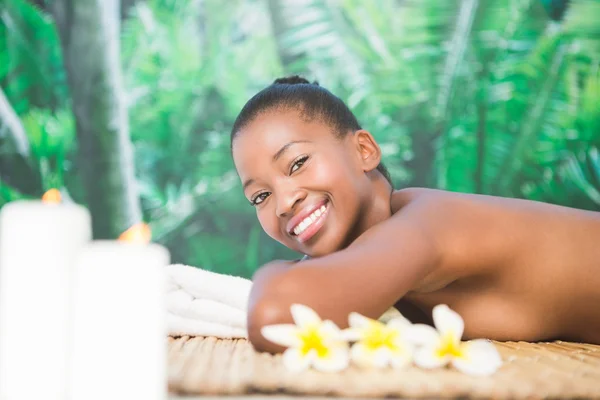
(119, 333)
(39, 242)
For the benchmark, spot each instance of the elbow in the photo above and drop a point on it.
(264, 313)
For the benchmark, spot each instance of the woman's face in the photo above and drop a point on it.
(307, 185)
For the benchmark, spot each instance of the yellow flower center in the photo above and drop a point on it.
(378, 335)
(312, 339)
(449, 346)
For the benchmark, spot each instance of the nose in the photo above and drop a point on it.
(287, 200)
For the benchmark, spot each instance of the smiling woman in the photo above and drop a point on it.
(309, 189)
(316, 180)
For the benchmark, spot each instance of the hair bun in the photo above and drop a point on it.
(293, 80)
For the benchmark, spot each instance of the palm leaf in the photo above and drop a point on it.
(531, 125)
(8, 194)
(565, 69)
(12, 128)
(458, 46)
(585, 174)
(32, 63)
(500, 37)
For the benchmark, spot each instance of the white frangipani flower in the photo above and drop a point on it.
(377, 344)
(438, 348)
(310, 342)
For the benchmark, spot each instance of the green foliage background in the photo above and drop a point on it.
(499, 97)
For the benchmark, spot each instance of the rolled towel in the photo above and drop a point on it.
(179, 326)
(201, 284)
(205, 303)
(181, 303)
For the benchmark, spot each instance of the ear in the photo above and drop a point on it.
(368, 150)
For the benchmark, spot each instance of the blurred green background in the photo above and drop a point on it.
(127, 106)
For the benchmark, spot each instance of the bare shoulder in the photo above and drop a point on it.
(432, 197)
(481, 231)
(498, 212)
(534, 261)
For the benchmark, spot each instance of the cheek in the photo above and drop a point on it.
(333, 175)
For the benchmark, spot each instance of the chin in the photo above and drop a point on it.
(317, 253)
(325, 246)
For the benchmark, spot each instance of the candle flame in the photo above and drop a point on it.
(138, 233)
(52, 196)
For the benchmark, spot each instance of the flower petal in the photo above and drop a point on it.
(382, 357)
(399, 322)
(330, 330)
(351, 334)
(336, 359)
(356, 320)
(402, 357)
(304, 315)
(427, 357)
(448, 322)
(362, 355)
(481, 358)
(422, 335)
(295, 361)
(281, 334)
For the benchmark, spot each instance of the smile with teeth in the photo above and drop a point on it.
(308, 221)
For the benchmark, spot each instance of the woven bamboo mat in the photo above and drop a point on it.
(209, 366)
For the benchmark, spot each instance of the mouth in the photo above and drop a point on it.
(309, 222)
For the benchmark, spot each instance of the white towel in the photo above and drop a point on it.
(179, 326)
(181, 303)
(202, 284)
(205, 303)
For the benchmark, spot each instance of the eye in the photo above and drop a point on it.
(259, 198)
(298, 163)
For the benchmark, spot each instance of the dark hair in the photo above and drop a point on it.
(312, 100)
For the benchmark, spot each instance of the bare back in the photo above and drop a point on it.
(514, 269)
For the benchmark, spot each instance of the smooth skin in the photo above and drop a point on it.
(513, 269)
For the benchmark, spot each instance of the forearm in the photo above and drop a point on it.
(338, 284)
(329, 285)
(368, 277)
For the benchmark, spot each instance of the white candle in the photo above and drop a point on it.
(38, 246)
(119, 333)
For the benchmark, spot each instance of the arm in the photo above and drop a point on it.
(367, 277)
